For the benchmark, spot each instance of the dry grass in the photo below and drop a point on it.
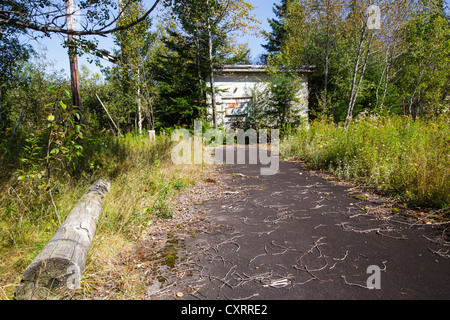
(129, 209)
(144, 181)
(395, 155)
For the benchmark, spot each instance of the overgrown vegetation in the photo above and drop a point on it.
(50, 161)
(390, 154)
(143, 184)
(401, 67)
(276, 105)
(395, 78)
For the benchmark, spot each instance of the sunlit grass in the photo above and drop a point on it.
(143, 182)
(396, 155)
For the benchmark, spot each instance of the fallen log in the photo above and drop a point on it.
(56, 271)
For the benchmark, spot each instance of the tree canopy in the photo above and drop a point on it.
(401, 66)
(96, 17)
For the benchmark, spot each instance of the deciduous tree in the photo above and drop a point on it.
(97, 17)
(133, 43)
(214, 29)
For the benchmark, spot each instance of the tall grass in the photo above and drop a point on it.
(143, 181)
(396, 155)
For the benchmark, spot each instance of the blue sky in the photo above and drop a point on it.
(54, 52)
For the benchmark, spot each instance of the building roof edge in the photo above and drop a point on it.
(235, 68)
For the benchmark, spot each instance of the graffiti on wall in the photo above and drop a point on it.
(237, 107)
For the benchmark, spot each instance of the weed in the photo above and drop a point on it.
(397, 155)
(143, 183)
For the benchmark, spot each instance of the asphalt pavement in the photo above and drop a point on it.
(296, 236)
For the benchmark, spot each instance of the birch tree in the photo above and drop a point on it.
(132, 42)
(215, 24)
(361, 40)
(425, 72)
(314, 37)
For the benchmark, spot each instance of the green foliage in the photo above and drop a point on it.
(24, 98)
(425, 67)
(276, 37)
(180, 89)
(396, 155)
(12, 52)
(53, 145)
(401, 68)
(283, 90)
(275, 106)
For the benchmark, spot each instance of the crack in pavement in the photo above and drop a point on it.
(297, 236)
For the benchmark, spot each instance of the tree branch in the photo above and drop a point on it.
(6, 20)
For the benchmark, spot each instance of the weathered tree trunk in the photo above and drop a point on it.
(356, 87)
(211, 74)
(139, 105)
(74, 75)
(56, 271)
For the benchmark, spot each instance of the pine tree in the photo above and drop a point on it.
(130, 68)
(214, 30)
(11, 52)
(276, 37)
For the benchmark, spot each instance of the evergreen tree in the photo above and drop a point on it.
(134, 43)
(12, 52)
(213, 33)
(179, 82)
(277, 35)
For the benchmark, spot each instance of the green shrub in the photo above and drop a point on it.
(396, 155)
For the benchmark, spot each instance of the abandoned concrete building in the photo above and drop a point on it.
(234, 87)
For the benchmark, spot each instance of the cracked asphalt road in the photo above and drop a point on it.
(296, 236)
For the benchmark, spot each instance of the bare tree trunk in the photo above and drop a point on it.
(383, 77)
(139, 104)
(327, 58)
(355, 75)
(110, 118)
(386, 81)
(211, 71)
(363, 71)
(356, 87)
(74, 75)
(148, 112)
(199, 72)
(213, 89)
(55, 273)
